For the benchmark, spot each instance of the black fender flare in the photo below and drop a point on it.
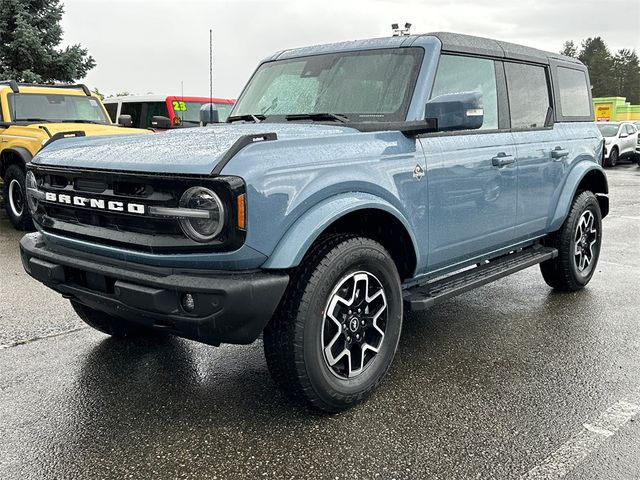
(6, 155)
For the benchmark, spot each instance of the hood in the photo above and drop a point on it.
(186, 151)
(90, 129)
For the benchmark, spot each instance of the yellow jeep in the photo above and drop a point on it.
(31, 117)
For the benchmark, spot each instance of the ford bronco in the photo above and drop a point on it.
(32, 116)
(351, 182)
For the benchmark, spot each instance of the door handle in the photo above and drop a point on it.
(502, 160)
(559, 153)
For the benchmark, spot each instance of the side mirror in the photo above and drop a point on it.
(209, 114)
(456, 111)
(623, 135)
(158, 121)
(125, 121)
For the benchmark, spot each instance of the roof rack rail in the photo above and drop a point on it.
(15, 86)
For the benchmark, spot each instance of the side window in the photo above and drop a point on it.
(528, 92)
(574, 93)
(134, 109)
(112, 108)
(630, 130)
(458, 74)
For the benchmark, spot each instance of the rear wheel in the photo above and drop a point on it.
(105, 323)
(578, 243)
(15, 198)
(336, 331)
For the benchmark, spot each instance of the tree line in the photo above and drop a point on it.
(612, 75)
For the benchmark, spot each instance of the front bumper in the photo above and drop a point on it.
(230, 307)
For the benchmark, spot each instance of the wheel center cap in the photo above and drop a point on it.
(353, 324)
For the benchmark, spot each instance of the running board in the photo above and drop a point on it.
(426, 295)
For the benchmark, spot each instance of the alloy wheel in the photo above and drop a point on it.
(354, 324)
(585, 240)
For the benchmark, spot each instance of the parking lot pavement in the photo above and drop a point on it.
(506, 381)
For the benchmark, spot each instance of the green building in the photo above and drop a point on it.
(611, 109)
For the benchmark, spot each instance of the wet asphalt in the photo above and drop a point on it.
(487, 385)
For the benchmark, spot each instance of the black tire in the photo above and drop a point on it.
(295, 338)
(613, 157)
(105, 323)
(569, 271)
(15, 200)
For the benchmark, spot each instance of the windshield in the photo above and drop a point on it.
(608, 129)
(371, 85)
(55, 108)
(189, 112)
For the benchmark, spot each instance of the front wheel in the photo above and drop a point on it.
(336, 331)
(15, 198)
(613, 157)
(578, 242)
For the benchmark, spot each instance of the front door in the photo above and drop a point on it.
(472, 186)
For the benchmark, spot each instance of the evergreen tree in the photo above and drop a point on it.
(30, 33)
(626, 71)
(569, 49)
(596, 56)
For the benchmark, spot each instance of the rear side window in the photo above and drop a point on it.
(112, 109)
(528, 91)
(574, 93)
(466, 74)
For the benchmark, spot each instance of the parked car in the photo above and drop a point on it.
(33, 116)
(352, 181)
(162, 112)
(621, 141)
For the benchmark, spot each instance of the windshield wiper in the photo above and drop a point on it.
(82, 121)
(338, 117)
(247, 118)
(39, 120)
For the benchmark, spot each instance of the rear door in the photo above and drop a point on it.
(472, 186)
(543, 149)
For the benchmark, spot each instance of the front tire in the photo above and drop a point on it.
(578, 242)
(335, 333)
(15, 198)
(613, 157)
(105, 323)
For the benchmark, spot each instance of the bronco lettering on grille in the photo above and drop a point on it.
(111, 205)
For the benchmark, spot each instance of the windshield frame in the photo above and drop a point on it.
(353, 117)
(106, 120)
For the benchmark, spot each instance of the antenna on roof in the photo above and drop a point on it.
(400, 32)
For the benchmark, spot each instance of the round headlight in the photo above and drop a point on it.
(202, 229)
(31, 184)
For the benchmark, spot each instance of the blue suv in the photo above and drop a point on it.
(351, 182)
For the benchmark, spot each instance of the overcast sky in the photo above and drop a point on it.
(146, 46)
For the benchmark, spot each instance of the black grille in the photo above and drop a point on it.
(141, 232)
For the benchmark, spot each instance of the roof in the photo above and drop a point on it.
(451, 42)
(457, 42)
(163, 98)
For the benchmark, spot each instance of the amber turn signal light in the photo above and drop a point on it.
(242, 212)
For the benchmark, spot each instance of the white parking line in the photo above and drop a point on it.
(592, 435)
